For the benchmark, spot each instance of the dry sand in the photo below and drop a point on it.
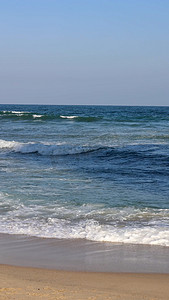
(32, 283)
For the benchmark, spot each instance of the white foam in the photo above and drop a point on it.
(21, 113)
(8, 144)
(43, 148)
(13, 112)
(18, 113)
(81, 223)
(69, 117)
(37, 116)
(89, 229)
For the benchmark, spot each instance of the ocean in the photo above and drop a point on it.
(99, 173)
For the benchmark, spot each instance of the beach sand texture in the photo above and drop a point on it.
(33, 283)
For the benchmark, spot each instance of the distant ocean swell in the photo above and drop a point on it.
(123, 118)
(21, 115)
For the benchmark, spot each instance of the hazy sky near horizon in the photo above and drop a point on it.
(113, 52)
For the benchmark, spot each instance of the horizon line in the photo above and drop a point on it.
(122, 105)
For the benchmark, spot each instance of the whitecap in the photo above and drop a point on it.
(37, 116)
(43, 148)
(69, 117)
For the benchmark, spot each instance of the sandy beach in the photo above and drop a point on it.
(35, 268)
(33, 283)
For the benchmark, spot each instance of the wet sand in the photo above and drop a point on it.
(82, 255)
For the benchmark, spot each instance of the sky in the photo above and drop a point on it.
(100, 52)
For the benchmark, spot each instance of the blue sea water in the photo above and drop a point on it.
(91, 172)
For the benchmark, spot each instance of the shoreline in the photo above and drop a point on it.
(82, 255)
(50, 269)
(33, 283)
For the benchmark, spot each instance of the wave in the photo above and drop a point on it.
(44, 149)
(131, 151)
(123, 225)
(22, 115)
(89, 230)
(69, 117)
(19, 114)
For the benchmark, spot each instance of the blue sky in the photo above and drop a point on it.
(84, 52)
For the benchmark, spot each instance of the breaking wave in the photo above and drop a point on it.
(90, 222)
(130, 151)
(23, 115)
(44, 149)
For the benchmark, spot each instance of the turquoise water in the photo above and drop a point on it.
(92, 172)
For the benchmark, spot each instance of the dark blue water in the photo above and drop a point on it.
(93, 172)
